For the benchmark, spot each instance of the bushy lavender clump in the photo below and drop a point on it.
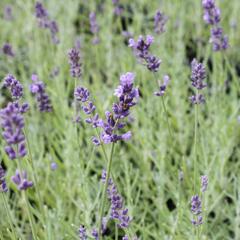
(20, 179)
(74, 61)
(7, 50)
(12, 122)
(163, 86)
(118, 212)
(212, 16)
(159, 22)
(8, 15)
(118, 9)
(45, 22)
(94, 27)
(127, 96)
(38, 89)
(196, 209)
(3, 185)
(14, 85)
(141, 50)
(197, 78)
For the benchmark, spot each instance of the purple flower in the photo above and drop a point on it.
(74, 61)
(12, 122)
(95, 234)
(8, 13)
(198, 221)
(141, 50)
(7, 50)
(20, 179)
(94, 28)
(54, 166)
(125, 237)
(14, 85)
(204, 183)
(89, 108)
(118, 212)
(3, 185)
(197, 78)
(118, 9)
(217, 39)
(38, 89)
(159, 22)
(82, 233)
(163, 87)
(81, 94)
(196, 205)
(212, 13)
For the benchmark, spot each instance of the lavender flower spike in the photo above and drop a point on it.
(204, 183)
(94, 27)
(7, 50)
(196, 208)
(163, 87)
(13, 123)
(8, 13)
(159, 22)
(14, 85)
(82, 233)
(38, 89)
(20, 179)
(74, 61)
(197, 78)
(3, 185)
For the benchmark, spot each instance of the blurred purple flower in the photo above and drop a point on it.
(95, 234)
(7, 50)
(38, 89)
(74, 61)
(82, 233)
(219, 41)
(20, 179)
(8, 13)
(204, 183)
(118, 8)
(3, 185)
(14, 85)
(163, 86)
(196, 209)
(94, 27)
(159, 22)
(54, 166)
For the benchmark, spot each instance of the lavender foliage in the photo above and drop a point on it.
(20, 179)
(39, 90)
(12, 122)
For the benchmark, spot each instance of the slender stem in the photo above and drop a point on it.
(33, 170)
(166, 114)
(109, 164)
(195, 146)
(116, 231)
(27, 203)
(9, 215)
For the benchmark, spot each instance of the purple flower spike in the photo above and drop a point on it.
(13, 123)
(94, 28)
(218, 40)
(82, 233)
(159, 22)
(7, 50)
(3, 185)
(89, 108)
(81, 94)
(14, 85)
(8, 15)
(125, 237)
(204, 183)
(163, 87)
(95, 234)
(39, 90)
(20, 179)
(74, 61)
(196, 205)
(54, 166)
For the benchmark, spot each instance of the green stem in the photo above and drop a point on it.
(27, 203)
(9, 215)
(116, 231)
(166, 114)
(195, 145)
(109, 164)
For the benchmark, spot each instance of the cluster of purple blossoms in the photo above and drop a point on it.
(141, 50)
(38, 89)
(212, 17)
(3, 185)
(118, 212)
(114, 120)
(8, 13)
(94, 27)
(74, 61)
(12, 122)
(159, 22)
(20, 179)
(82, 233)
(196, 203)
(14, 85)
(45, 22)
(163, 86)
(197, 78)
(7, 50)
(118, 9)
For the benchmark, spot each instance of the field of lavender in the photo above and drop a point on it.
(120, 120)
